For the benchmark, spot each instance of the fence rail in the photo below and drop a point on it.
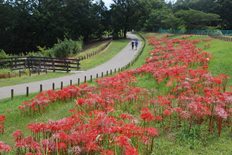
(40, 63)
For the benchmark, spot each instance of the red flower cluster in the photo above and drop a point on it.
(4, 147)
(2, 120)
(44, 99)
(116, 117)
(195, 95)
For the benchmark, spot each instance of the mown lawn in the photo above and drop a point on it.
(32, 78)
(182, 142)
(15, 119)
(221, 52)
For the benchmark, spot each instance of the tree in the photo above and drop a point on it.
(225, 11)
(194, 19)
(124, 16)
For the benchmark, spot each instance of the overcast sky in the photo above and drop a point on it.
(108, 2)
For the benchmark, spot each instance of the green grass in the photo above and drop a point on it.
(15, 120)
(221, 52)
(33, 78)
(114, 48)
(181, 142)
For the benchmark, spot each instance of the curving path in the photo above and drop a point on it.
(120, 60)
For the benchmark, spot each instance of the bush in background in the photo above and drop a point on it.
(66, 48)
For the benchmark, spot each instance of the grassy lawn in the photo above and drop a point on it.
(32, 78)
(115, 47)
(221, 52)
(15, 120)
(180, 142)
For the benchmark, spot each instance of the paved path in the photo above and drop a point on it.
(118, 61)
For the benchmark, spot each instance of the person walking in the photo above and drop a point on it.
(132, 44)
(136, 44)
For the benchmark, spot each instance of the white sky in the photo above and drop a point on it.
(108, 2)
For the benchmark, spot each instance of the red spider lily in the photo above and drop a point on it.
(107, 152)
(4, 147)
(44, 99)
(29, 144)
(18, 135)
(167, 112)
(2, 121)
(122, 141)
(146, 115)
(131, 151)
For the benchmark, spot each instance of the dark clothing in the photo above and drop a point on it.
(136, 44)
(132, 44)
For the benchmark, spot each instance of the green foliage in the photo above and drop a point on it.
(194, 19)
(162, 18)
(66, 48)
(28, 24)
(3, 54)
(124, 15)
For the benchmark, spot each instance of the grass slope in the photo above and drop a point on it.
(15, 120)
(182, 142)
(33, 78)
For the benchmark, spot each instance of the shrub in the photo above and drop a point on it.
(34, 54)
(3, 54)
(66, 48)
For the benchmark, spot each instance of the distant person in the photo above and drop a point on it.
(136, 44)
(132, 44)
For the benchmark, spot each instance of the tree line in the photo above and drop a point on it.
(27, 24)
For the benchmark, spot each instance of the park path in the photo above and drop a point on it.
(124, 57)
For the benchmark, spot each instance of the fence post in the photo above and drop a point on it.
(85, 79)
(53, 86)
(27, 91)
(91, 78)
(78, 64)
(107, 73)
(111, 72)
(115, 70)
(61, 85)
(53, 65)
(97, 76)
(70, 82)
(12, 94)
(102, 74)
(78, 81)
(41, 87)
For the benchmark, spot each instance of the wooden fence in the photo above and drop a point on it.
(224, 38)
(38, 64)
(87, 56)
